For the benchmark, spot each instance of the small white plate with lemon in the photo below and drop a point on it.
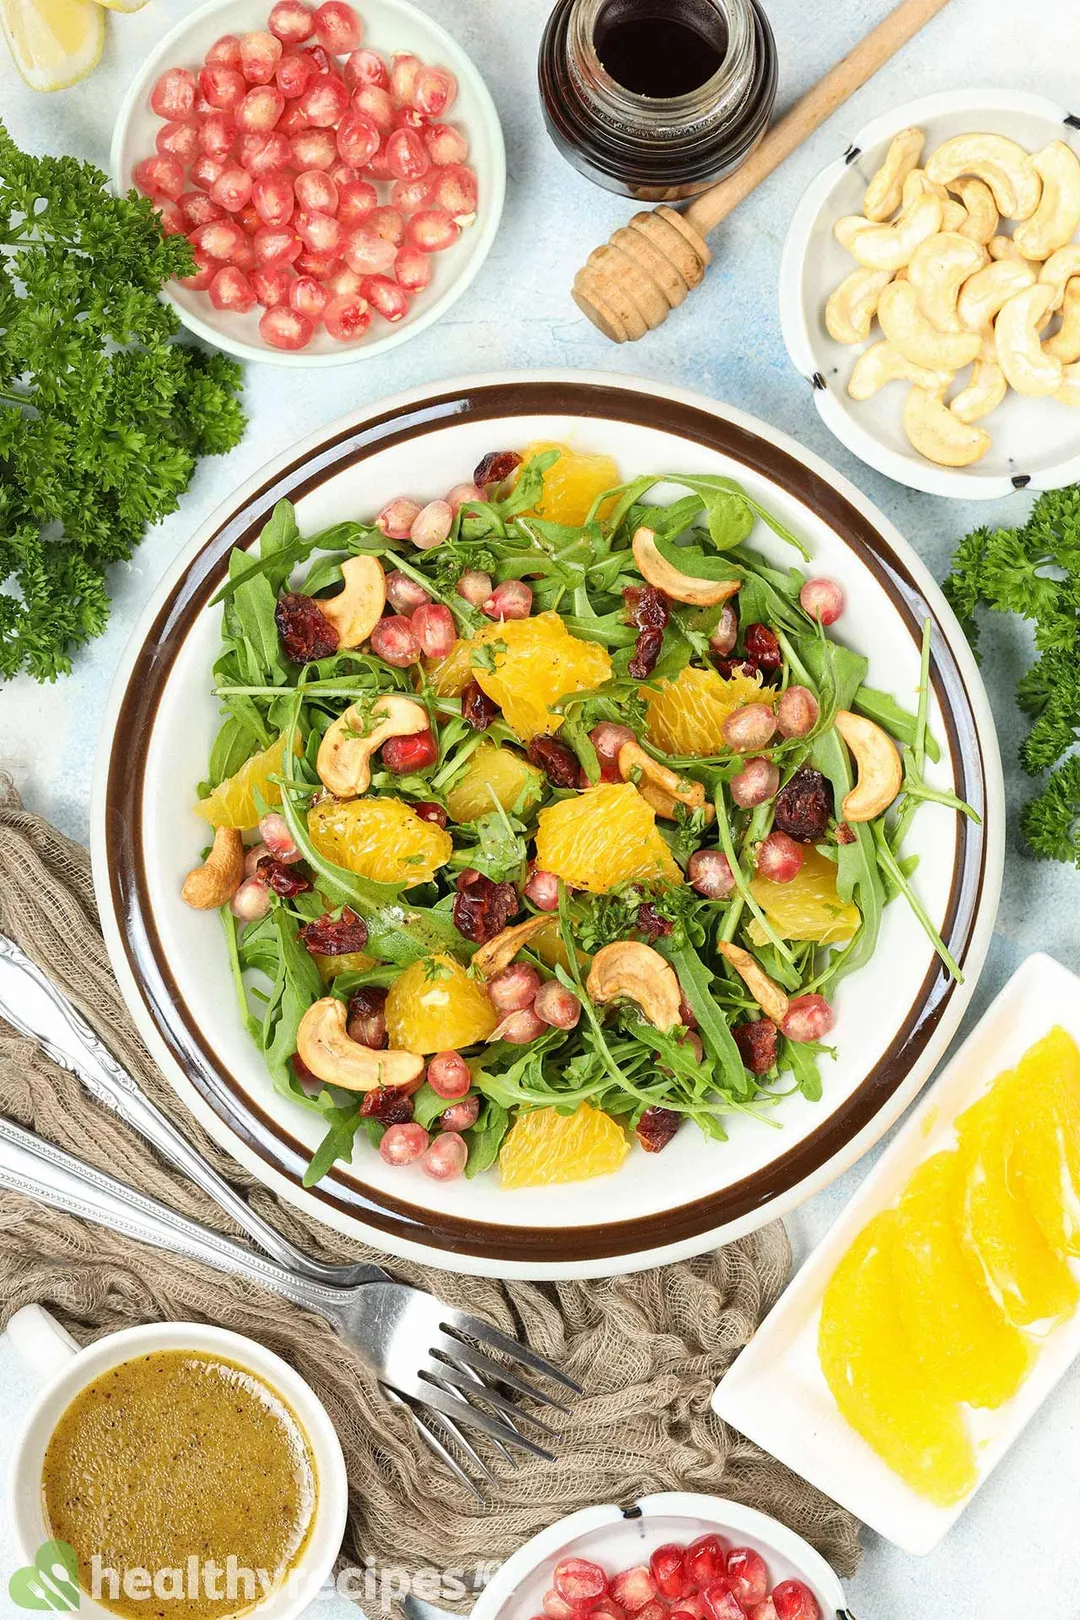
(55, 43)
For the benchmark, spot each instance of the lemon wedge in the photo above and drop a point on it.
(55, 43)
(122, 5)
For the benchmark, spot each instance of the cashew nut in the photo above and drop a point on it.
(639, 973)
(1069, 392)
(1003, 247)
(889, 247)
(938, 269)
(1001, 163)
(1016, 337)
(1065, 343)
(773, 1001)
(878, 772)
(983, 393)
(357, 609)
(979, 207)
(916, 185)
(851, 308)
(668, 787)
(323, 1044)
(881, 363)
(883, 194)
(937, 434)
(918, 340)
(1059, 268)
(220, 875)
(983, 294)
(1058, 214)
(500, 951)
(657, 571)
(345, 753)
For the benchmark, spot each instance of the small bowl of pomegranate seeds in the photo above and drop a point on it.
(674, 1556)
(339, 171)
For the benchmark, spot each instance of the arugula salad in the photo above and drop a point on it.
(548, 817)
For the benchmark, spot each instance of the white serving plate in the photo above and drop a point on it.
(776, 1393)
(1036, 442)
(618, 1537)
(389, 25)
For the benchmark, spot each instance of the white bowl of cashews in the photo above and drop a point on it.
(930, 294)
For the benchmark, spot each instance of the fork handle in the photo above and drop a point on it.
(35, 1168)
(37, 1009)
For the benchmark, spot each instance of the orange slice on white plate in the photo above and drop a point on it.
(55, 43)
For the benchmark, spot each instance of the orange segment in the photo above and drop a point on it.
(494, 775)
(686, 716)
(545, 1147)
(535, 663)
(449, 676)
(1046, 1138)
(572, 484)
(547, 942)
(604, 836)
(232, 803)
(435, 1007)
(876, 1381)
(806, 908)
(352, 962)
(380, 839)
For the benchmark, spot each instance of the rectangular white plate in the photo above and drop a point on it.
(776, 1394)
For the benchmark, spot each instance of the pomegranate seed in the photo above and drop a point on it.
(285, 329)
(387, 223)
(606, 1608)
(710, 874)
(308, 297)
(432, 229)
(749, 728)
(474, 585)
(578, 1579)
(319, 265)
(160, 176)
(780, 858)
(510, 600)
(519, 1028)
(409, 195)
(265, 154)
(372, 104)
(431, 525)
(461, 494)
(705, 1559)
(338, 27)
(448, 1075)
(455, 190)
(217, 135)
(232, 188)
(291, 22)
(403, 1144)
(748, 1576)
(407, 755)
(514, 988)
(376, 166)
(205, 170)
(337, 279)
(762, 1611)
(446, 1158)
(434, 91)
(666, 1564)
(276, 246)
(171, 216)
(720, 1601)
(397, 518)
(406, 155)
(346, 317)
(295, 73)
(658, 1609)
(357, 200)
(275, 834)
(756, 783)
(445, 144)
(179, 140)
(404, 69)
(320, 233)
(223, 87)
(314, 149)
(797, 712)
(543, 890)
(809, 1018)
(198, 209)
(794, 1601)
(395, 641)
(273, 198)
(260, 53)
(726, 634)
(403, 593)
(218, 238)
(251, 900)
(633, 1589)
(366, 67)
(260, 109)
(252, 858)
(412, 271)
(556, 1005)
(271, 287)
(461, 1116)
(325, 101)
(428, 811)
(204, 275)
(316, 191)
(224, 52)
(823, 599)
(556, 1607)
(368, 253)
(292, 122)
(435, 629)
(386, 297)
(173, 96)
(609, 739)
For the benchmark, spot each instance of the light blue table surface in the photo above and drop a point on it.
(1016, 1550)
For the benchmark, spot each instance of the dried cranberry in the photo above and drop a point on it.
(656, 1127)
(844, 834)
(367, 1017)
(757, 1044)
(390, 1105)
(427, 810)
(477, 709)
(335, 936)
(646, 607)
(557, 760)
(803, 806)
(727, 668)
(482, 908)
(496, 467)
(284, 880)
(762, 646)
(646, 652)
(310, 1081)
(650, 923)
(306, 633)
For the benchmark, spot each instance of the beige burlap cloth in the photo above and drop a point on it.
(647, 1348)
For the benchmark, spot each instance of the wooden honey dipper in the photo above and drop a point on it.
(630, 285)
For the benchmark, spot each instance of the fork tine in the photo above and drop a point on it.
(488, 1368)
(459, 1323)
(459, 1378)
(449, 1405)
(507, 1455)
(431, 1439)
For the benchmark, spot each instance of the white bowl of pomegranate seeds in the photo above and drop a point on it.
(340, 172)
(668, 1556)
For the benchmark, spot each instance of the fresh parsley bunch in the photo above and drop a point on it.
(1034, 571)
(102, 416)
